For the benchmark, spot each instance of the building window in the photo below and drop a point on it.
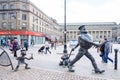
(78, 32)
(4, 16)
(104, 36)
(36, 12)
(33, 18)
(24, 25)
(12, 25)
(33, 27)
(100, 36)
(96, 36)
(24, 7)
(4, 6)
(108, 36)
(12, 16)
(24, 0)
(4, 25)
(12, 6)
(37, 28)
(23, 16)
(33, 10)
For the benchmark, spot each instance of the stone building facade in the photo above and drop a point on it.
(99, 30)
(22, 19)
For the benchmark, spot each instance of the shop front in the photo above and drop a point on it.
(32, 37)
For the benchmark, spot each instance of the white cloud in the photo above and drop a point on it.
(81, 11)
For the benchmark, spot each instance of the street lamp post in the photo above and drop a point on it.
(65, 46)
(65, 55)
(65, 30)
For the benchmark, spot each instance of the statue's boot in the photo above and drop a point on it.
(26, 66)
(70, 68)
(16, 68)
(99, 71)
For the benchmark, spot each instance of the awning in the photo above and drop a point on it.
(16, 32)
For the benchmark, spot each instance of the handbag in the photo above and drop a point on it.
(18, 47)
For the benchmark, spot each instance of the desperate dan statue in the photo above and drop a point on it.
(85, 41)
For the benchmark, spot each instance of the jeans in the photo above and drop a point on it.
(106, 58)
(47, 50)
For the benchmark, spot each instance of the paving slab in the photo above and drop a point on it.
(42, 74)
(45, 67)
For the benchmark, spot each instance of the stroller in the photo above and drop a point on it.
(41, 49)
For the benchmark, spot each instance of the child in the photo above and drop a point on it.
(21, 60)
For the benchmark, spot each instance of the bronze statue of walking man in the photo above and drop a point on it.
(85, 41)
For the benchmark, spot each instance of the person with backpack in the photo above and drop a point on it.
(107, 51)
(102, 51)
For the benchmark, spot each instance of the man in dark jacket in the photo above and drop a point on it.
(15, 46)
(107, 51)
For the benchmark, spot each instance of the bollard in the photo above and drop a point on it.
(115, 65)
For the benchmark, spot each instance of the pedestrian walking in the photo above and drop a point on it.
(47, 48)
(1, 42)
(55, 43)
(15, 47)
(85, 41)
(32, 42)
(4, 43)
(52, 44)
(102, 50)
(107, 51)
(26, 45)
(9, 43)
(10, 46)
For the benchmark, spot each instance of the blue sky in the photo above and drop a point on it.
(81, 10)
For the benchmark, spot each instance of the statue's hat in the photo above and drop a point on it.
(81, 27)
